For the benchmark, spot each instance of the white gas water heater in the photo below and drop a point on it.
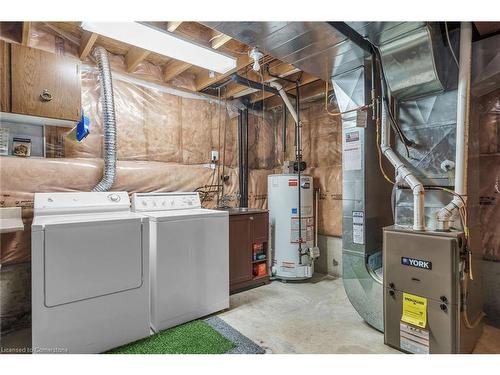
(291, 260)
(291, 213)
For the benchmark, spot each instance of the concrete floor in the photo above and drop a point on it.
(308, 317)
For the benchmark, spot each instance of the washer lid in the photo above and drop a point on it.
(184, 214)
(41, 221)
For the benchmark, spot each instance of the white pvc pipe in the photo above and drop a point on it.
(284, 96)
(405, 173)
(464, 72)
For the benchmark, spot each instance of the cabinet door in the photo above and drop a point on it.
(4, 76)
(240, 251)
(45, 84)
(260, 227)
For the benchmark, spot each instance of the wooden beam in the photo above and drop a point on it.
(26, 33)
(63, 34)
(203, 80)
(173, 25)
(234, 89)
(174, 68)
(219, 40)
(306, 79)
(134, 57)
(86, 44)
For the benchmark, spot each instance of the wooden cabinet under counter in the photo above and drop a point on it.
(248, 248)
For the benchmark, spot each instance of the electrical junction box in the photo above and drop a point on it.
(422, 293)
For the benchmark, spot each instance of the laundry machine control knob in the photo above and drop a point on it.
(114, 197)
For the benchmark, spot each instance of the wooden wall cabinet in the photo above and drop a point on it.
(245, 232)
(39, 83)
(4, 76)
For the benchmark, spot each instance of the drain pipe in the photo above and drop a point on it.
(464, 71)
(402, 171)
(108, 109)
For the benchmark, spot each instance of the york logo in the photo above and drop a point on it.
(425, 264)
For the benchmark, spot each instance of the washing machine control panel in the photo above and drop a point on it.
(165, 201)
(81, 202)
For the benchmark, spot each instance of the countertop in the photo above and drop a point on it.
(242, 210)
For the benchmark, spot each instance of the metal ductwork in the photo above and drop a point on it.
(109, 123)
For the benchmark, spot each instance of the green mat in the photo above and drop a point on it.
(195, 337)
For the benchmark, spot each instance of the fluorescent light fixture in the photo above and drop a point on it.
(163, 43)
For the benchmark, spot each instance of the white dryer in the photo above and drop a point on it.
(90, 276)
(189, 257)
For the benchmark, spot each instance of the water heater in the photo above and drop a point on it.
(288, 262)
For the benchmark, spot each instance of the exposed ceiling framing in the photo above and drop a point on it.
(85, 41)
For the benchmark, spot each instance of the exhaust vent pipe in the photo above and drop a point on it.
(463, 93)
(108, 109)
(403, 172)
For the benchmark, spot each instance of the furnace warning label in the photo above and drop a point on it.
(413, 340)
(358, 227)
(351, 152)
(414, 310)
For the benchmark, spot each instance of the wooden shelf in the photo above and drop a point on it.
(259, 261)
(260, 277)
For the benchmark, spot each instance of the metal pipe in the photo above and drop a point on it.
(240, 156)
(298, 158)
(245, 157)
(463, 95)
(316, 209)
(284, 132)
(109, 123)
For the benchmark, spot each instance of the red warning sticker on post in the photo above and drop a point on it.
(293, 182)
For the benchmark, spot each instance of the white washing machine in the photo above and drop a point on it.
(189, 257)
(90, 276)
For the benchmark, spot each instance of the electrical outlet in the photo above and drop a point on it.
(214, 156)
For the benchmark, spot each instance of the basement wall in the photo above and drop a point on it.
(165, 135)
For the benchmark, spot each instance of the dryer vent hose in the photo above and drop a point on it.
(108, 109)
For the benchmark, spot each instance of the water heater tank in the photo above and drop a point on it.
(283, 200)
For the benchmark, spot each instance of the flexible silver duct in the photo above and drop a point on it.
(108, 109)
(464, 73)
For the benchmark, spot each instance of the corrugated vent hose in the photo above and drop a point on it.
(108, 109)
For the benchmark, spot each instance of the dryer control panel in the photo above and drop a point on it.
(165, 201)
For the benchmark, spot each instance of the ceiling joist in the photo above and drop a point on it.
(174, 68)
(173, 25)
(134, 57)
(271, 68)
(26, 33)
(204, 79)
(219, 40)
(86, 44)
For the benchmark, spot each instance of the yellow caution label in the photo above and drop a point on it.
(414, 310)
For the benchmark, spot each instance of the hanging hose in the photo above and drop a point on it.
(108, 109)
